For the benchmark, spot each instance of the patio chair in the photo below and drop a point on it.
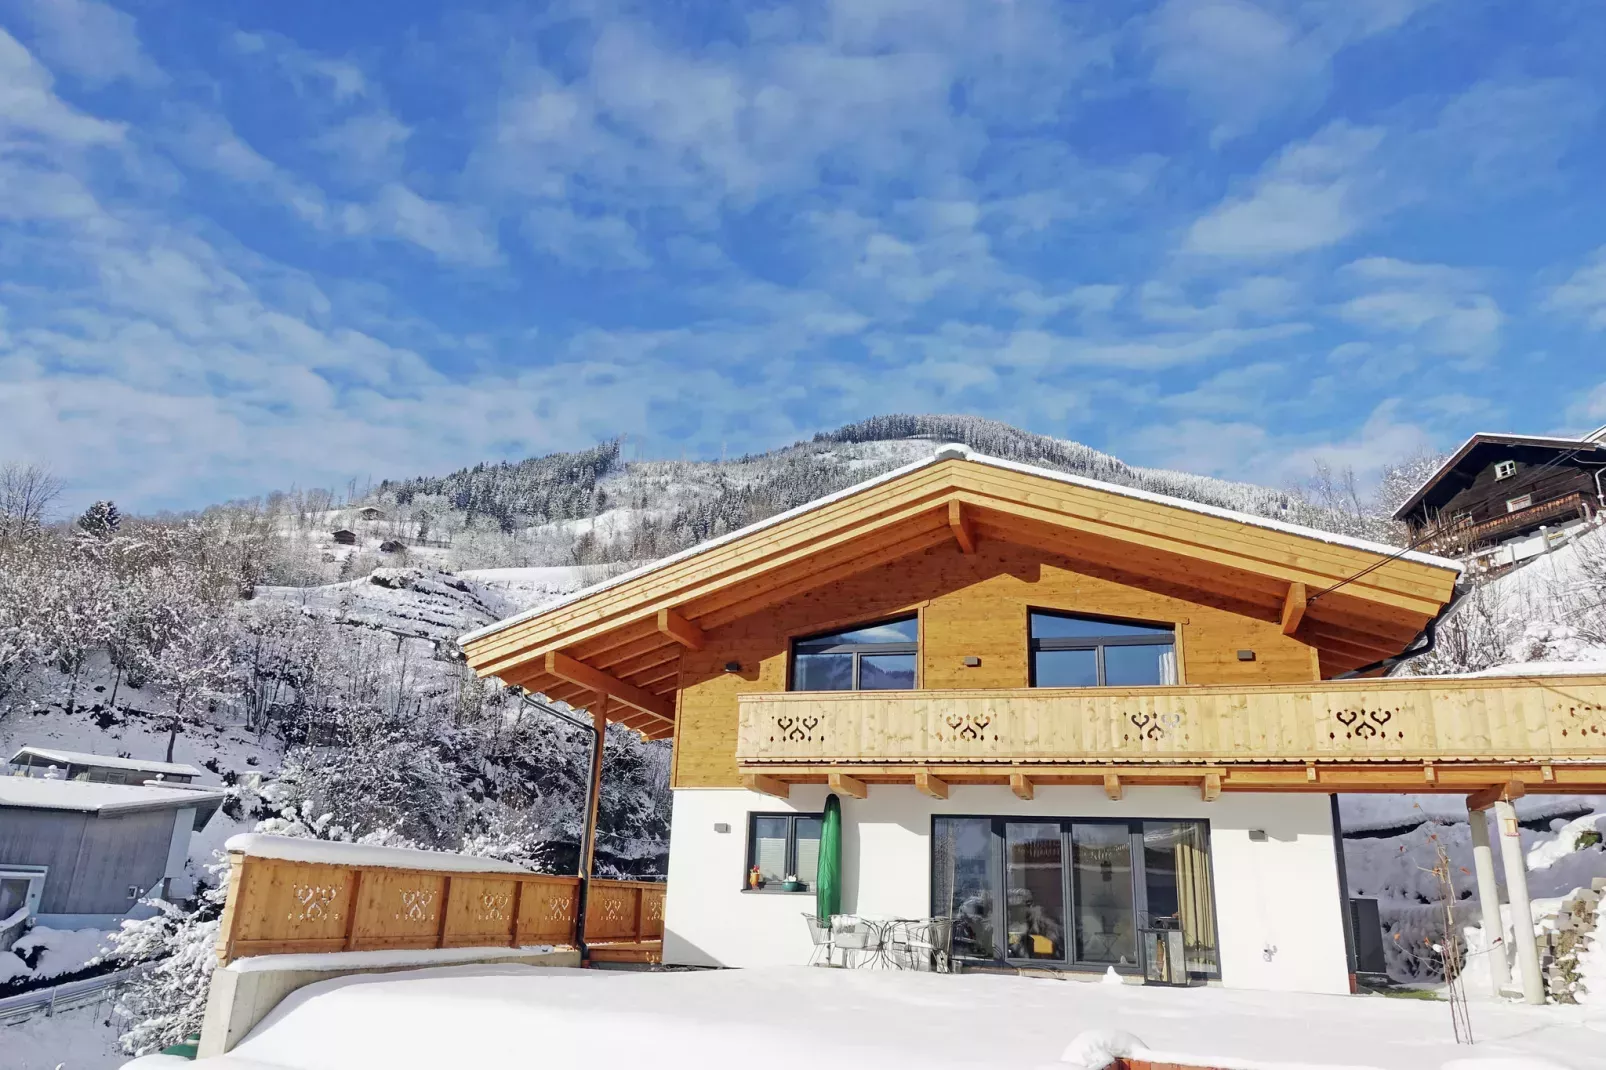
(850, 934)
(820, 935)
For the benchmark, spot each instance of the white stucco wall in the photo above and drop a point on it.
(1277, 901)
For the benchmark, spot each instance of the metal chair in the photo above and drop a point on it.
(820, 935)
(850, 934)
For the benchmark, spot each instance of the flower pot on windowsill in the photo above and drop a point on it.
(791, 886)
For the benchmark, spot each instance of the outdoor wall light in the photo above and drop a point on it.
(1257, 835)
(1246, 655)
(733, 666)
(721, 827)
(972, 661)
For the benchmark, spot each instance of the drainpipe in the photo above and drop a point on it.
(589, 831)
(1422, 644)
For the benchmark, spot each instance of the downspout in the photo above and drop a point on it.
(588, 830)
(1424, 643)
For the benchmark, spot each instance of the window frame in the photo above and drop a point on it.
(791, 817)
(807, 645)
(1071, 963)
(1095, 643)
(1504, 470)
(1519, 503)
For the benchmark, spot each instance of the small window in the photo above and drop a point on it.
(1515, 505)
(782, 846)
(874, 657)
(1505, 469)
(1075, 651)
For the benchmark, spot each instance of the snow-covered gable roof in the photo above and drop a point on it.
(105, 761)
(958, 452)
(38, 793)
(1589, 443)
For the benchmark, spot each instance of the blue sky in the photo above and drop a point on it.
(245, 246)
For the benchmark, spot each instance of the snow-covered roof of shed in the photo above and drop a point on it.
(1591, 441)
(39, 793)
(964, 453)
(300, 849)
(105, 761)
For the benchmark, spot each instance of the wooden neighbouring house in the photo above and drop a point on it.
(1501, 499)
(98, 768)
(369, 512)
(345, 536)
(392, 546)
(1061, 714)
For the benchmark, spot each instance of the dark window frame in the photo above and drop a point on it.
(1095, 643)
(815, 644)
(791, 818)
(1000, 867)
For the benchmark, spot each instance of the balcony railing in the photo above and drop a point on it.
(1450, 535)
(1543, 719)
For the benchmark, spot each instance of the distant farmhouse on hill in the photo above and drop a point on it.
(1501, 499)
(345, 536)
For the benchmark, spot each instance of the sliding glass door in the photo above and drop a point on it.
(1074, 893)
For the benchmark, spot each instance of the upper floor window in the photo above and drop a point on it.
(874, 657)
(1505, 469)
(1074, 651)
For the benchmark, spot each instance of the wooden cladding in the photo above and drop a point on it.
(624, 912)
(278, 907)
(1411, 719)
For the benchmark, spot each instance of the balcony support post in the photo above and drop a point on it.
(1494, 930)
(1022, 786)
(1522, 922)
(931, 785)
(1112, 786)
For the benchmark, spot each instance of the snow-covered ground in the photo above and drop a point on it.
(82, 1038)
(517, 1016)
(53, 952)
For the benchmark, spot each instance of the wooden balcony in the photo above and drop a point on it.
(1455, 537)
(1426, 733)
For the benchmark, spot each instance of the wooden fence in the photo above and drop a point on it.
(278, 907)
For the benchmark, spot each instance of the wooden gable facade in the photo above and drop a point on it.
(970, 544)
(1498, 487)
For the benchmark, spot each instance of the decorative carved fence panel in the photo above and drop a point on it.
(279, 907)
(624, 912)
(1493, 719)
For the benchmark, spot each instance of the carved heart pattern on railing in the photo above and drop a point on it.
(1365, 724)
(494, 906)
(1153, 727)
(796, 730)
(415, 904)
(967, 728)
(614, 908)
(654, 905)
(313, 901)
(1585, 721)
(559, 908)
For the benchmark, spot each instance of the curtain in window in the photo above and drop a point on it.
(1168, 665)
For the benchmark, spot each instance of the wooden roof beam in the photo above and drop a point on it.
(1294, 603)
(578, 672)
(681, 630)
(1487, 797)
(964, 534)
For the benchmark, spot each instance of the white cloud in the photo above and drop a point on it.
(366, 146)
(29, 106)
(1240, 62)
(1583, 295)
(455, 233)
(1442, 310)
(1310, 197)
(92, 41)
(585, 240)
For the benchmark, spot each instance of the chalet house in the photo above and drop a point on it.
(345, 536)
(392, 546)
(1501, 499)
(1058, 715)
(369, 512)
(98, 768)
(82, 854)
